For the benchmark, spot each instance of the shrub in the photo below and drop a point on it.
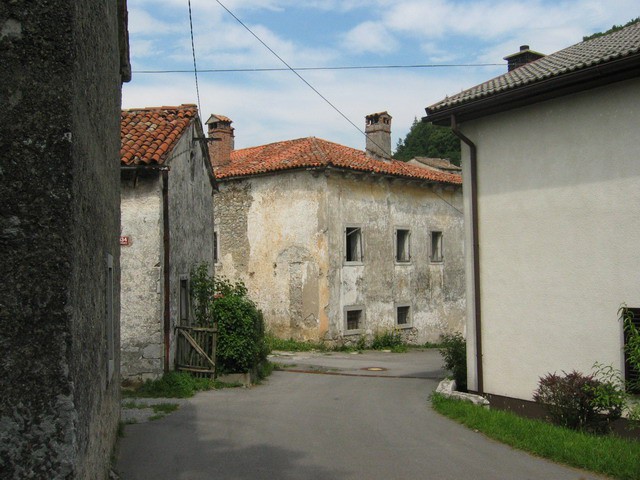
(580, 402)
(389, 340)
(454, 352)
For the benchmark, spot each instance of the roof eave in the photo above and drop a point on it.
(590, 77)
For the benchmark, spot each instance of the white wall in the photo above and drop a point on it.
(559, 197)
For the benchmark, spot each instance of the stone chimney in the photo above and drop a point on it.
(525, 55)
(378, 130)
(220, 149)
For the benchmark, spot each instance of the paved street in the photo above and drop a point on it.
(348, 424)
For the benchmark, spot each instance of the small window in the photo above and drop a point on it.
(403, 254)
(110, 319)
(403, 318)
(184, 300)
(353, 242)
(215, 247)
(353, 319)
(436, 247)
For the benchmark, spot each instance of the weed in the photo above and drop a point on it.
(389, 340)
(165, 407)
(454, 353)
(172, 385)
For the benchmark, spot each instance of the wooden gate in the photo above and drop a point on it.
(196, 350)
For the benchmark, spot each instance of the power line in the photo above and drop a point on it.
(193, 50)
(297, 74)
(347, 67)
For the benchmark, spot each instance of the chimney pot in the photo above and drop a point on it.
(378, 130)
(524, 56)
(524, 48)
(220, 129)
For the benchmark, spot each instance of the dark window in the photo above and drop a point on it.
(403, 253)
(353, 238)
(632, 375)
(353, 319)
(402, 315)
(436, 247)
(184, 300)
(215, 247)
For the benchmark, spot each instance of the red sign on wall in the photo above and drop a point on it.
(125, 241)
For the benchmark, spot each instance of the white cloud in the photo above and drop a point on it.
(371, 37)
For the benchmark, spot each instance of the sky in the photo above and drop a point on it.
(273, 106)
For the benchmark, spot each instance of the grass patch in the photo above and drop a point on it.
(291, 345)
(608, 455)
(174, 385)
(165, 408)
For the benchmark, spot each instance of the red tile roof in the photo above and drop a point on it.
(315, 152)
(148, 135)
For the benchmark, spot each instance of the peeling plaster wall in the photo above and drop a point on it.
(142, 281)
(59, 142)
(272, 236)
(283, 235)
(435, 292)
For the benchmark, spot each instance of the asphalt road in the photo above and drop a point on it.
(341, 422)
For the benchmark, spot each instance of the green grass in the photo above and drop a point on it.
(292, 345)
(609, 455)
(175, 385)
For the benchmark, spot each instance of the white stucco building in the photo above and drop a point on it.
(334, 243)
(166, 230)
(552, 196)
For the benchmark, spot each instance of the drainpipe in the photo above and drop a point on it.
(165, 268)
(475, 247)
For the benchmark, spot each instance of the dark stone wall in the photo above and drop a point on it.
(59, 218)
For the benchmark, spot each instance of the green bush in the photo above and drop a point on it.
(389, 340)
(240, 345)
(579, 401)
(454, 353)
(172, 385)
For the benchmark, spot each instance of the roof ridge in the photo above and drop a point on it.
(183, 106)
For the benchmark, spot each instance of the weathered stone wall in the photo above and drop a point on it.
(283, 235)
(59, 142)
(142, 280)
(271, 236)
(435, 292)
(190, 216)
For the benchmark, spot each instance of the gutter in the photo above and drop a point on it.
(473, 180)
(165, 268)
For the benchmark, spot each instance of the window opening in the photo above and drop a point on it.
(632, 375)
(402, 315)
(354, 319)
(110, 320)
(184, 300)
(402, 245)
(354, 244)
(215, 247)
(436, 247)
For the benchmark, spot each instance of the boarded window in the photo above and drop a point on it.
(353, 242)
(436, 247)
(403, 253)
(109, 318)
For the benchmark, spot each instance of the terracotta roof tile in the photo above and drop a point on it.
(600, 50)
(315, 152)
(147, 135)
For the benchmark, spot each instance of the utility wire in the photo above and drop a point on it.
(193, 50)
(348, 67)
(297, 74)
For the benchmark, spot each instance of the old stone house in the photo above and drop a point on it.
(167, 229)
(550, 154)
(334, 243)
(62, 64)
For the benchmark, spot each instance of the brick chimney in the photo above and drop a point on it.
(378, 130)
(220, 150)
(525, 55)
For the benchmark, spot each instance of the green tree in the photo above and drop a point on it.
(428, 140)
(614, 28)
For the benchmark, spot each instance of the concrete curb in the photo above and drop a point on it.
(447, 387)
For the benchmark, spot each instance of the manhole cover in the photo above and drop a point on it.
(374, 369)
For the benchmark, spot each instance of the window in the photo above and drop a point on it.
(353, 243)
(632, 375)
(184, 300)
(353, 319)
(215, 247)
(436, 246)
(109, 318)
(403, 254)
(403, 318)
